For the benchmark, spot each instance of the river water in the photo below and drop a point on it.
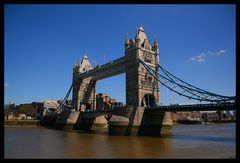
(187, 141)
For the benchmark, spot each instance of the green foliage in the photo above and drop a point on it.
(8, 107)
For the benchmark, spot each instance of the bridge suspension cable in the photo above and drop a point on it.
(64, 100)
(183, 88)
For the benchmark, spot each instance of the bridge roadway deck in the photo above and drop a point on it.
(169, 108)
(109, 69)
(195, 107)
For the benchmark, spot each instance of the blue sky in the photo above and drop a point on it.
(42, 42)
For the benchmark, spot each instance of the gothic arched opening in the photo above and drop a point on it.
(148, 100)
(86, 107)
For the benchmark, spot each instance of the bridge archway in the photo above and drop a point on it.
(88, 106)
(148, 100)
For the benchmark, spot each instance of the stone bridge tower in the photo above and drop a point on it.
(84, 90)
(141, 88)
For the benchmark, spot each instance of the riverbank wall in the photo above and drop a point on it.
(21, 122)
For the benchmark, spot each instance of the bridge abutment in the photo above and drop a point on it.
(138, 121)
(127, 121)
(73, 121)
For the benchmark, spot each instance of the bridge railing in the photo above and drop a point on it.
(196, 107)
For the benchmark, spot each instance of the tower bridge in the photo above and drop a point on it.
(143, 78)
(139, 84)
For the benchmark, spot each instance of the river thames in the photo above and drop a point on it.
(187, 141)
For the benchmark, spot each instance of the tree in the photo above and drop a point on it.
(8, 108)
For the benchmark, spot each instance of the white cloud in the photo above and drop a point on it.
(6, 84)
(199, 58)
(210, 53)
(203, 56)
(220, 52)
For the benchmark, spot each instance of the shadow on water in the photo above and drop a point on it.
(100, 145)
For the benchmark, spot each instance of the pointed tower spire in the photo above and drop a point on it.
(127, 40)
(85, 56)
(137, 35)
(141, 28)
(137, 39)
(155, 41)
(155, 46)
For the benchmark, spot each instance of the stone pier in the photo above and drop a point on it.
(73, 121)
(138, 121)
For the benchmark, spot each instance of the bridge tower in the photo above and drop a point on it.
(84, 90)
(142, 89)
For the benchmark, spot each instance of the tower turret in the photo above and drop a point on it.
(137, 39)
(155, 46)
(127, 42)
(85, 65)
(84, 89)
(141, 90)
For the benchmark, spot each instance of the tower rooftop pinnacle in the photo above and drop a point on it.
(155, 41)
(141, 34)
(127, 40)
(85, 56)
(141, 28)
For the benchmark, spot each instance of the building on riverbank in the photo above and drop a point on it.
(24, 111)
(203, 116)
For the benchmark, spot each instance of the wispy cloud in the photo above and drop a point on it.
(199, 58)
(220, 52)
(203, 56)
(6, 84)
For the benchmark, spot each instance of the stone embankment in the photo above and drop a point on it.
(21, 122)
